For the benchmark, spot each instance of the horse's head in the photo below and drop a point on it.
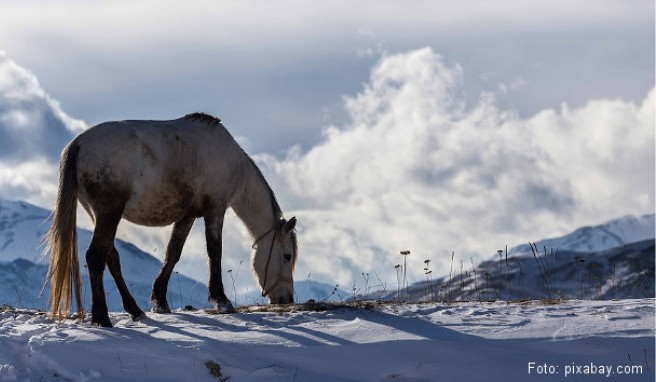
(274, 260)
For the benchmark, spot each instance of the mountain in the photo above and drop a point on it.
(22, 272)
(614, 233)
(611, 260)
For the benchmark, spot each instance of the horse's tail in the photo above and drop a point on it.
(61, 240)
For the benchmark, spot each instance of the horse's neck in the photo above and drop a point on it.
(254, 206)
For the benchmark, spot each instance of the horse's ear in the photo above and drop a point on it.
(289, 225)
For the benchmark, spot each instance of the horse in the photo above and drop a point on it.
(157, 173)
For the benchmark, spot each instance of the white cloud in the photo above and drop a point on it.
(414, 170)
(34, 180)
(33, 130)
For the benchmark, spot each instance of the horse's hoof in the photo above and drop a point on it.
(105, 323)
(160, 309)
(139, 316)
(225, 308)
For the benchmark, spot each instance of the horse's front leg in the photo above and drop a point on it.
(213, 228)
(173, 250)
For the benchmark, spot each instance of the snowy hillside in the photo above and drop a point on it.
(590, 263)
(22, 226)
(397, 342)
(622, 272)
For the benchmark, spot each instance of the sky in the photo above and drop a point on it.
(426, 125)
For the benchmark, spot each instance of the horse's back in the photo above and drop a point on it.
(161, 171)
(155, 137)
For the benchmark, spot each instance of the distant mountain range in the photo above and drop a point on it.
(611, 260)
(22, 272)
(614, 233)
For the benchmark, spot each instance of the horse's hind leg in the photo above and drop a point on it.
(173, 250)
(101, 245)
(130, 306)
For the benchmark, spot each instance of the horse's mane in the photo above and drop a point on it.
(277, 211)
(207, 119)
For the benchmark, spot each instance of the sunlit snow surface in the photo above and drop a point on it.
(394, 342)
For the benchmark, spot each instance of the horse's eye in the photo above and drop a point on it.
(288, 257)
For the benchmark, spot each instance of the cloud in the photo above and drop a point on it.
(413, 168)
(416, 169)
(271, 78)
(33, 131)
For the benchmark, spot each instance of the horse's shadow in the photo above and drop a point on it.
(293, 330)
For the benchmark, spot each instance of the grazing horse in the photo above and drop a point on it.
(156, 173)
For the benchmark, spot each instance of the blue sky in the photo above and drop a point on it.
(382, 125)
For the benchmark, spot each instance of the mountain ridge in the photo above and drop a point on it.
(591, 262)
(612, 233)
(22, 226)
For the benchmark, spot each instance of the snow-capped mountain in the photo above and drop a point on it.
(22, 272)
(611, 260)
(614, 233)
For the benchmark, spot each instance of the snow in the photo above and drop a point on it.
(393, 342)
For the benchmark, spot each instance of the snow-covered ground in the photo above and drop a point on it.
(393, 342)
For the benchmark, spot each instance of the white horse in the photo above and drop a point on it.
(156, 173)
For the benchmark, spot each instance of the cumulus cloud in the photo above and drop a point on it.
(33, 131)
(416, 169)
(413, 168)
